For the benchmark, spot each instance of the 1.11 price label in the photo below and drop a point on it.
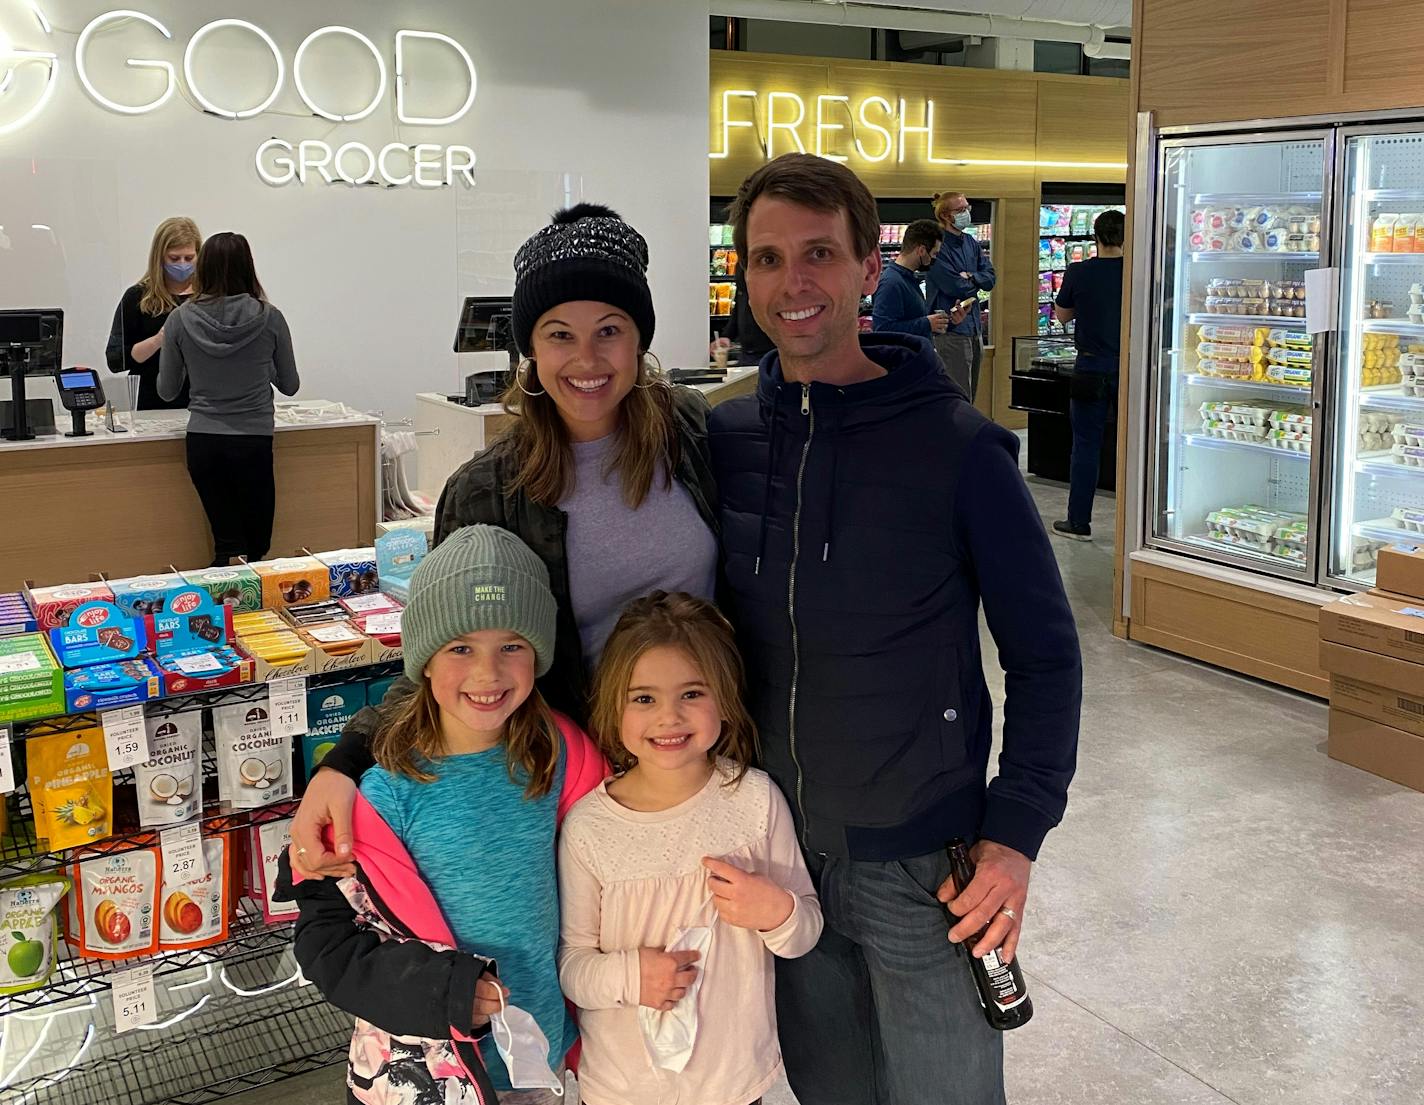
(287, 706)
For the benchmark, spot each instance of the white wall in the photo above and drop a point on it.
(605, 101)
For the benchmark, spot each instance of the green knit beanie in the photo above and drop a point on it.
(480, 577)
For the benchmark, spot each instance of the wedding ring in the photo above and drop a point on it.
(1009, 913)
(301, 851)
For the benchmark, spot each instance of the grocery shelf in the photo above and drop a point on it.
(1204, 542)
(1257, 387)
(1388, 468)
(1245, 320)
(1378, 531)
(1393, 258)
(1261, 255)
(1205, 442)
(1392, 326)
(1394, 195)
(262, 1042)
(1389, 399)
(1259, 198)
(249, 937)
(1067, 237)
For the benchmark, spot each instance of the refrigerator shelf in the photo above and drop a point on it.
(1384, 529)
(1392, 326)
(1251, 320)
(1392, 258)
(1201, 541)
(1388, 468)
(1267, 255)
(1390, 399)
(1204, 442)
(1256, 197)
(1256, 387)
(1394, 195)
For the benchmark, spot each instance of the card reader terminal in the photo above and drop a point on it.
(80, 392)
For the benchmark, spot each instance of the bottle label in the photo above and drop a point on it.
(1007, 992)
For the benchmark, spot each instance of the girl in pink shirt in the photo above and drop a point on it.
(681, 877)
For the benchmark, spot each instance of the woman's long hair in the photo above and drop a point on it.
(225, 268)
(410, 741)
(171, 233)
(647, 437)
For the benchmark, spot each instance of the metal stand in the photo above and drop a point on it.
(77, 418)
(17, 361)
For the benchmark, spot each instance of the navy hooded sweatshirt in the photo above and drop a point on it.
(862, 528)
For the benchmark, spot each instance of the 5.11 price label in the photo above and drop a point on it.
(287, 706)
(135, 1003)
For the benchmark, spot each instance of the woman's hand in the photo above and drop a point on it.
(664, 977)
(746, 900)
(329, 800)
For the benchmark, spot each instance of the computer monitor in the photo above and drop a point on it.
(486, 326)
(34, 336)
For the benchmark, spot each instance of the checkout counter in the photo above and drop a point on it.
(1040, 384)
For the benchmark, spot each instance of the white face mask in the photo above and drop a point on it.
(669, 1035)
(524, 1049)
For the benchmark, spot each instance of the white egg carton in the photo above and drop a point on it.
(1406, 434)
(1364, 552)
(1376, 422)
(1236, 413)
(1412, 455)
(1410, 518)
(1288, 440)
(1230, 431)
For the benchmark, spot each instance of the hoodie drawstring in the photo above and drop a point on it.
(832, 495)
(770, 472)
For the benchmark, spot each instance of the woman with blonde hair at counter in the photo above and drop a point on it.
(605, 474)
(137, 333)
(231, 346)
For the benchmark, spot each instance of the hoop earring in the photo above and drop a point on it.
(526, 366)
(658, 368)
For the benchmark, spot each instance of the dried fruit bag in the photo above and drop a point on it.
(170, 786)
(254, 767)
(114, 908)
(71, 788)
(29, 930)
(268, 843)
(197, 903)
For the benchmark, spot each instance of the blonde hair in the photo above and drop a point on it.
(940, 204)
(171, 233)
(647, 437)
(411, 738)
(697, 628)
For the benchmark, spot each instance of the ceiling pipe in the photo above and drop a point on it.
(871, 17)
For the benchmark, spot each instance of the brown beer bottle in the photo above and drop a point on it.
(1001, 986)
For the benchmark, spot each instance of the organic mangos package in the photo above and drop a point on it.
(71, 788)
(114, 907)
(197, 904)
(29, 930)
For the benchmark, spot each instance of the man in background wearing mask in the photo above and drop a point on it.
(899, 303)
(959, 273)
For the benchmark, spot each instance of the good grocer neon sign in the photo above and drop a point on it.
(277, 161)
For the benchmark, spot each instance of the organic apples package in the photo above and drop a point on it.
(170, 786)
(71, 788)
(197, 905)
(254, 767)
(29, 930)
(115, 905)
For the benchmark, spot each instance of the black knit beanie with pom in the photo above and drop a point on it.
(586, 253)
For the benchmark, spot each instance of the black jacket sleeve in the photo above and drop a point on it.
(114, 350)
(402, 986)
(352, 754)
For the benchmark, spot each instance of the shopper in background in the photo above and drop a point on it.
(899, 305)
(604, 474)
(454, 841)
(868, 511)
(688, 839)
(959, 273)
(743, 329)
(137, 333)
(1091, 298)
(230, 347)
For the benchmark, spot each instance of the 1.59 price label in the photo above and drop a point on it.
(134, 1001)
(125, 737)
(287, 706)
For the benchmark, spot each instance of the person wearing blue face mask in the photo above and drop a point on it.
(959, 273)
(136, 336)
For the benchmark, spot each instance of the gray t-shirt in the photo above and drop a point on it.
(617, 554)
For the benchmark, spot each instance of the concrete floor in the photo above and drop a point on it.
(1225, 916)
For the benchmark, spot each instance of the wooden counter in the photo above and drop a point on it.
(123, 505)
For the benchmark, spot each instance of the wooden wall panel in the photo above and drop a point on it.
(1384, 52)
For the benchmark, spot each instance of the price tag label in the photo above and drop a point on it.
(134, 1000)
(287, 705)
(182, 848)
(23, 662)
(7, 766)
(378, 624)
(126, 737)
(200, 664)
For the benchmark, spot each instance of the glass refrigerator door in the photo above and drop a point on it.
(1378, 487)
(1234, 367)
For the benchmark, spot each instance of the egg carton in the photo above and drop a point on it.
(1405, 434)
(1228, 431)
(1227, 370)
(1376, 422)
(1409, 518)
(1288, 419)
(1412, 389)
(1411, 455)
(1367, 443)
(1294, 375)
(1291, 443)
(1237, 413)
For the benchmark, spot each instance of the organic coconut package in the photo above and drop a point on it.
(254, 767)
(197, 904)
(29, 930)
(170, 786)
(114, 908)
(71, 788)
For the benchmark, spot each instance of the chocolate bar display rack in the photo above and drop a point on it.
(225, 1048)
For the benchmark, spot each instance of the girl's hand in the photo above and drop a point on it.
(745, 900)
(663, 977)
(487, 1000)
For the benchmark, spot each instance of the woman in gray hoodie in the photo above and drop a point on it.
(232, 347)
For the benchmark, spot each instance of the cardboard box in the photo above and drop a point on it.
(1388, 624)
(1401, 570)
(238, 588)
(145, 595)
(109, 686)
(31, 680)
(16, 617)
(53, 605)
(291, 581)
(1371, 667)
(352, 571)
(1379, 749)
(1401, 709)
(264, 671)
(99, 633)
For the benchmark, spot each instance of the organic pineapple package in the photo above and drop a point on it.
(170, 786)
(254, 767)
(71, 788)
(29, 929)
(197, 903)
(114, 908)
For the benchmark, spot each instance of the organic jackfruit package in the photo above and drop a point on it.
(114, 907)
(71, 788)
(197, 903)
(29, 930)
(170, 786)
(254, 767)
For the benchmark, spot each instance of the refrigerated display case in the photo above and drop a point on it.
(1065, 236)
(1378, 471)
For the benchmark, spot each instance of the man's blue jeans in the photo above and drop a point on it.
(1093, 396)
(884, 1010)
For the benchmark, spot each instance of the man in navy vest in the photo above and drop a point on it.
(868, 511)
